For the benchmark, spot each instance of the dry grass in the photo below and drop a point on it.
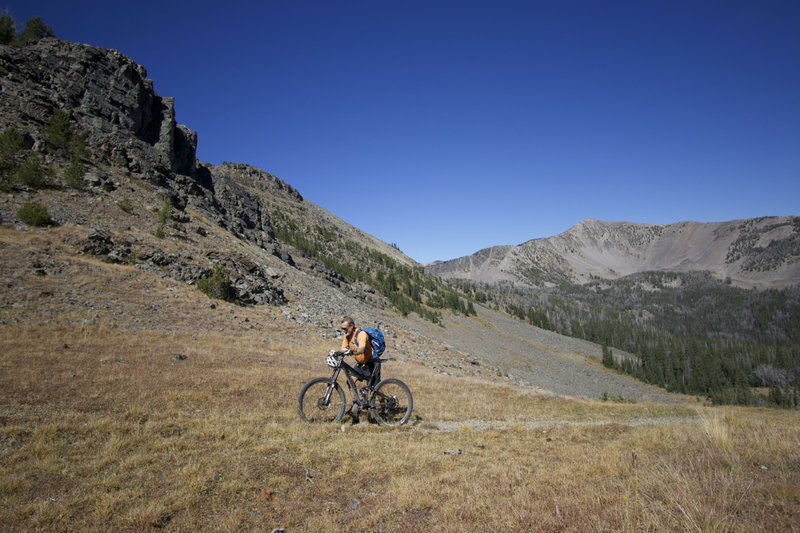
(102, 430)
(105, 431)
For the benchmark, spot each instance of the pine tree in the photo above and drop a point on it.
(59, 130)
(33, 31)
(608, 357)
(7, 29)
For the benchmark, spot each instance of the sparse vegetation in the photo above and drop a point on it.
(217, 285)
(165, 213)
(125, 204)
(606, 397)
(62, 139)
(19, 166)
(409, 289)
(32, 173)
(33, 213)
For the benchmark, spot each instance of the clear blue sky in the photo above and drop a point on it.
(449, 126)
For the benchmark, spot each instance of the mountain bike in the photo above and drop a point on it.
(322, 399)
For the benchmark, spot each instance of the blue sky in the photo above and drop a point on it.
(449, 126)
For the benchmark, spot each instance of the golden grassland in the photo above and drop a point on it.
(103, 430)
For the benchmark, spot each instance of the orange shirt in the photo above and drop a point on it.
(361, 340)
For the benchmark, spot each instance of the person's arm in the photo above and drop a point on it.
(362, 341)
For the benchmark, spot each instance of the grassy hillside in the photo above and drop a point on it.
(104, 427)
(104, 430)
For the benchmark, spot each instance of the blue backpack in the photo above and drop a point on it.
(376, 339)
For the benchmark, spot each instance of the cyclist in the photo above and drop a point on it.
(356, 343)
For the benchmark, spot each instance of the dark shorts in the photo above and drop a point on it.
(365, 370)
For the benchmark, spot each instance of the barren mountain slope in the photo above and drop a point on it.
(277, 195)
(761, 252)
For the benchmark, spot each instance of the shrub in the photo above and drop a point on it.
(166, 211)
(73, 174)
(125, 205)
(33, 174)
(218, 285)
(606, 397)
(160, 231)
(34, 214)
(11, 143)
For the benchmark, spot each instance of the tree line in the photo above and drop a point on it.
(687, 333)
(33, 31)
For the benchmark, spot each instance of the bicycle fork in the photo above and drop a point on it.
(326, 399)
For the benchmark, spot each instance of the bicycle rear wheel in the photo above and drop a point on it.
(311, 404)
(391, 403)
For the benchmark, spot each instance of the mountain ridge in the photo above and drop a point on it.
(762, 253)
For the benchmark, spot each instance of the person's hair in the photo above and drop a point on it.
(347, 320)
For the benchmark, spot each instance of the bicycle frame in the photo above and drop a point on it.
(349, 373)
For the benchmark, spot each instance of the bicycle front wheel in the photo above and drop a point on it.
(312, 405)
(391, 402)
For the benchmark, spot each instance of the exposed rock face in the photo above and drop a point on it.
(128, 127)
(131, 131)
(238, 211)
(108, 95)
(761, 253)
(256, 179)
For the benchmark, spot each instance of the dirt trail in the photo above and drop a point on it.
(533, 423)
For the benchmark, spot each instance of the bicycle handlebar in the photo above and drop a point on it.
(341, 355)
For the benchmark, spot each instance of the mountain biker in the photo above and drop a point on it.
(356, 343)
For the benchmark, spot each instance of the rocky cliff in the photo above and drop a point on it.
(762, 252)
(108, 95)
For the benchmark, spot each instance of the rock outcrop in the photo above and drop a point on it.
(128, 128)
(109, 97)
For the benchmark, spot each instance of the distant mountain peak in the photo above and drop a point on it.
(763, 252)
